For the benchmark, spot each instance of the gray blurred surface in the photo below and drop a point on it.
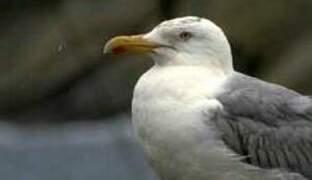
(72, 151)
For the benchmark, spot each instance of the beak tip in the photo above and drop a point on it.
(106, 49)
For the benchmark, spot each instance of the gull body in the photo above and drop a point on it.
(199, 119)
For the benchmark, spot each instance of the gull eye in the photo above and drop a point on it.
(185, 35)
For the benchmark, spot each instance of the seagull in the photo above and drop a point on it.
(199, 119)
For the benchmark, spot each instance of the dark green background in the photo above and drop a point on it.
(51, 62)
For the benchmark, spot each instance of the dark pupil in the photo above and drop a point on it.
(185, 35)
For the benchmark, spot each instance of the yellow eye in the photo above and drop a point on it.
(185, 35)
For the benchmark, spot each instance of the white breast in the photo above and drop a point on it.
(168, 107)
(171, 97)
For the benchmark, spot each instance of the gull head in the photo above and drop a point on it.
(184, 41)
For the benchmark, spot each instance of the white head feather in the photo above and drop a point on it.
(193, 41)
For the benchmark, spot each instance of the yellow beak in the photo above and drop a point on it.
(130, 44)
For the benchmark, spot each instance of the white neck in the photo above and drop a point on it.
(210, 61)
(180, 82)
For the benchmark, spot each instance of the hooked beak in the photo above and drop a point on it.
(130, 44)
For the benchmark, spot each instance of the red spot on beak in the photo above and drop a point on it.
(119, 50)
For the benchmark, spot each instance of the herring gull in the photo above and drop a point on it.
(199, 119)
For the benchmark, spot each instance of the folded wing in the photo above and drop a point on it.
(269, 125)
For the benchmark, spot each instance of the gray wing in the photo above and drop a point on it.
(269, 125)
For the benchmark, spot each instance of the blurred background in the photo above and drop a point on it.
(65, 107)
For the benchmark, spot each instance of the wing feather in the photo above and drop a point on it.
(269, 125)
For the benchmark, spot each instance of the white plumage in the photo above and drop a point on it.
(168, 106)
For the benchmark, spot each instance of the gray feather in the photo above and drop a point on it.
(269, 125)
